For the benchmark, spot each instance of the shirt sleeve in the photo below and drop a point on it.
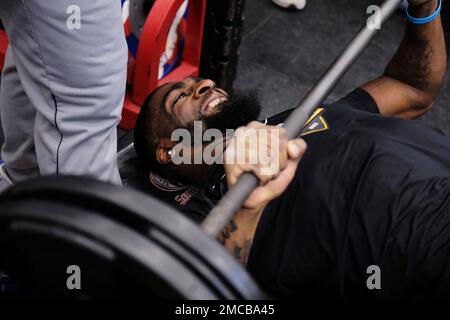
(361, 100)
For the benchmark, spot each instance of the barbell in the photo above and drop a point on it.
(126, 244)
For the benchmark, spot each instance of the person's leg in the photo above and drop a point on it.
(74, 75)
(17, 115)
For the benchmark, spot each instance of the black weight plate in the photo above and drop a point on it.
(153, 219)
(40, 239)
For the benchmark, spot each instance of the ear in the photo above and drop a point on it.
(162, 151)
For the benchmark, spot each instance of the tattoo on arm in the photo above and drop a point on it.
(239, 251)
(415, 66)
(226, 233)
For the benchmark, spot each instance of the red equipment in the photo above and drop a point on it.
(151, 46)
(3, 47)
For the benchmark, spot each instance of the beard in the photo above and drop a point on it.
(239, 110)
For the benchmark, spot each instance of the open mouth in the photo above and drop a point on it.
(211, 105)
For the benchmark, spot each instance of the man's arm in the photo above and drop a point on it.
(238, 236)
(413, 77)
(279, 157)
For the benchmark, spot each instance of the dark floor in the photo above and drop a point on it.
(283, 53)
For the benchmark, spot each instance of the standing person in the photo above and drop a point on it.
(62, 88)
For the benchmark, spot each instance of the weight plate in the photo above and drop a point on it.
(202, 258)
(40, 239)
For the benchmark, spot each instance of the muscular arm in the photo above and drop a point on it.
(412, 79)
(238, 236)
(275, 170)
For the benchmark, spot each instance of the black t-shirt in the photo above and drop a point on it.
(370, 191)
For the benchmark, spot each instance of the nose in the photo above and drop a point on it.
(203, 87)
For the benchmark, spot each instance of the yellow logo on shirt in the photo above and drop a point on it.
(316, 123)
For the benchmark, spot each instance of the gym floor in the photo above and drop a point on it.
(283, 53)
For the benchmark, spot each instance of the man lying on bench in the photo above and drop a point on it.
(370, 194)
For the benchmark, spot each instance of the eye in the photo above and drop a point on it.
(181, 96)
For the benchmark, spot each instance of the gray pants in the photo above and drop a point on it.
(62, 87)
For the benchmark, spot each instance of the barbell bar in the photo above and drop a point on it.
(232, 201)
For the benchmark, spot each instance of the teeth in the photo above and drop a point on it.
(216, 102)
